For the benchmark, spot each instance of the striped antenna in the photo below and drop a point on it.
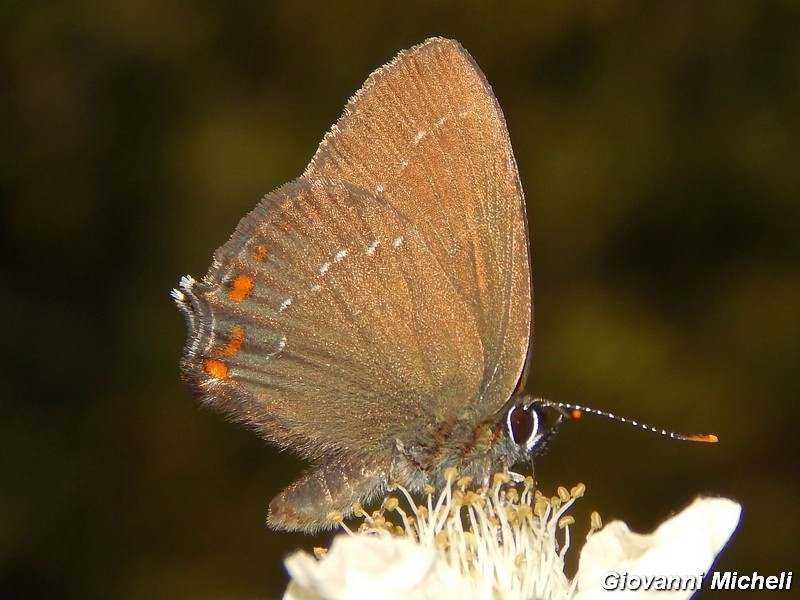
(575, 411)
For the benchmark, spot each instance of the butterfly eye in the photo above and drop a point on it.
(523, 425)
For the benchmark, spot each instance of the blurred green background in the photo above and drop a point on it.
(659, 147)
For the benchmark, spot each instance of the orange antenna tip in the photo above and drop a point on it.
(575, 413)
(706, 437)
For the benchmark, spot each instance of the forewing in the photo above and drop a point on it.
(327, 323)
(426, 134)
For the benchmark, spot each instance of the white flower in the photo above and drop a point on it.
(501, 544)
(495, 544)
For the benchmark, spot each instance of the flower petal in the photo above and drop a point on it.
(371, 566)
(683, 546)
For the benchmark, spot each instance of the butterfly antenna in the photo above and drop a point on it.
(576, 411)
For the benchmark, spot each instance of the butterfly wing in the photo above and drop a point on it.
(425, 133)
(328, 325)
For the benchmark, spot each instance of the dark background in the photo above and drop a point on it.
(659, 147)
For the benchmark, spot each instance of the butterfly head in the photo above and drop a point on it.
(530, 423)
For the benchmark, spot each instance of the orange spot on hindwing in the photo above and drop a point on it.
(261, 253)
(215, 368)
(241, 287)
(234, 341)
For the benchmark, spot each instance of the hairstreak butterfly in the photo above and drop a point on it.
(374, 315)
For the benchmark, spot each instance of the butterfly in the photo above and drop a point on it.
(374, 315)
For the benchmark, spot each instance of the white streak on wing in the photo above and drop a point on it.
(278, 349)
(284, 305)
